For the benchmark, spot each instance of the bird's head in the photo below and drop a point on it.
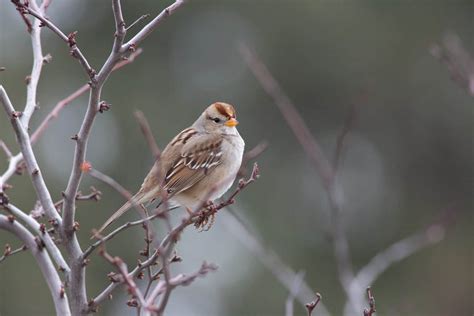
(219, 117)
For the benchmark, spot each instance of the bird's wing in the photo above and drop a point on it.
(196, 153)
(200, 154)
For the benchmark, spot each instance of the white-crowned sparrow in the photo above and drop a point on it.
(198, 165)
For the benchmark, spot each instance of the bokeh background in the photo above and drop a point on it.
(408, 157)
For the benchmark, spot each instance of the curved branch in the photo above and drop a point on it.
(44, 262)
(46, 238)
(150, 27)
(69, 39)
(31, 164)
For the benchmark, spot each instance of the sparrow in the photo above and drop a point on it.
(199, 164)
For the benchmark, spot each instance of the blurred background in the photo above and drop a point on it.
(407, 158)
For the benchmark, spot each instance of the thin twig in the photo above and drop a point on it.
(122, 268)
(9, 252)
(146, 130)
(144, 16)
(40, 230)
(69, 39)
(38, 62)
(371, 310)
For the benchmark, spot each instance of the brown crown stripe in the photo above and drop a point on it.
(225, 109)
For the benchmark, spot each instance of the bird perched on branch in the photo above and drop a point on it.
(198, 165)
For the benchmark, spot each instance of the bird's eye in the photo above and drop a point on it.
(216, 119)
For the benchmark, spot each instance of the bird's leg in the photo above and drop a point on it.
(206, 217)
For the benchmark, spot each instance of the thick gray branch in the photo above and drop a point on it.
(45, 264)
(48, 242)
(31, 164)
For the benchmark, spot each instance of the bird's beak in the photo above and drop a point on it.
(231, 122)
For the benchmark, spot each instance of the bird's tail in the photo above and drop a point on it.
(135, 201)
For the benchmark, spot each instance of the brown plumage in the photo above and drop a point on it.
(199, 164)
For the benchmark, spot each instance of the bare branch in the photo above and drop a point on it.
(18, 158)
(44, 262)
(9, 252)
(42, 233)
(111, 182)
(290, 114)
(103, 239)
(146, 130)
(38, 62)
(312, 305)
(122, 268)
(145, 31)
(371, 310)
(30, 159)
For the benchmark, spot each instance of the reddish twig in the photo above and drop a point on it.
(371, 310)
(126, 279)
(312, 305)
